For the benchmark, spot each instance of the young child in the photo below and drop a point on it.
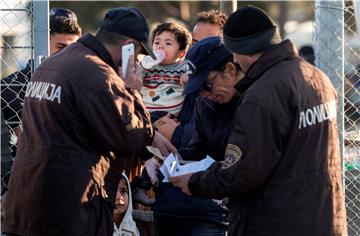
(124, 225)
(164, 84)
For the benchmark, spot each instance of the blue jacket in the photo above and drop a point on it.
(209, 136)
(184, 132)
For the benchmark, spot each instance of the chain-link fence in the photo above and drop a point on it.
(337, 51)
(16, 61)
(352, 114)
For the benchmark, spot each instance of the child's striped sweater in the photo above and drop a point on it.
(162, 90)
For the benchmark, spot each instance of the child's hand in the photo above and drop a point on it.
(183, 79)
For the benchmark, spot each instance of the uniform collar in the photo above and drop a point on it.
(96, 46)
(226, 108)
(283, 51)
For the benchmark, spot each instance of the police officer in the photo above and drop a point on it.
(83, 123)
(281, 169)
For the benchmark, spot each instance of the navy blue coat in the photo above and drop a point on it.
(211, 124)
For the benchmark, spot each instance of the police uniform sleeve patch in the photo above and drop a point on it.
(232, 155)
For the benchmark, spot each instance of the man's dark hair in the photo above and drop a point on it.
(64, 25)
(221, 66)
(182, 35)
(213, 17)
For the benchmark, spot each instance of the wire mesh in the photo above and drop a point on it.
(352, 117)
(16, 30)
(16, 62)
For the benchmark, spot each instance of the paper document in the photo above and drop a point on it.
(172, 166)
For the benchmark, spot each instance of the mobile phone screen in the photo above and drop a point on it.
(126, 51)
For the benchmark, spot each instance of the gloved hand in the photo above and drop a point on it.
(152, 166)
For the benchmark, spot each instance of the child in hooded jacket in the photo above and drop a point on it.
(124, 225)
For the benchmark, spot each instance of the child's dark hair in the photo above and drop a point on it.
(182, 35)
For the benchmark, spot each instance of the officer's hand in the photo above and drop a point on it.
(133, 78)
(182, 181)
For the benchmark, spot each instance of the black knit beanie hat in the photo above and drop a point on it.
(250, 30)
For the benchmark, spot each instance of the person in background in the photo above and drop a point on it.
(124, 225)
(208, 23)
(281, 168)
(307, 52)
(64, 29)
(6, 158)
(163, 90)
(83, 125)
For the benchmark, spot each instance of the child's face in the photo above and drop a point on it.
(122, 198)
(166, 41)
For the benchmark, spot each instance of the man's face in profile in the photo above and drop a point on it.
(59, 41)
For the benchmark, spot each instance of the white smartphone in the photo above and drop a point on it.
(126, 51)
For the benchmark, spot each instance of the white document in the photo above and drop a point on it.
(166, 166)
(173, 167)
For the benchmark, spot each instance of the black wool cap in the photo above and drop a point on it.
(129, 22)
(250, 30)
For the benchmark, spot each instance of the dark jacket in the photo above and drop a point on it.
(6, 158)
(12, 97)
(282, 167)
(77, 110)
(212, 128)
(184, 132)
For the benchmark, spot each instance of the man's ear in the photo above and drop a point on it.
(181, 54)
(230, 68)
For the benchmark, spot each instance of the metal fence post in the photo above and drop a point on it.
(228, 6)
(357, 15)
(41, 30)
